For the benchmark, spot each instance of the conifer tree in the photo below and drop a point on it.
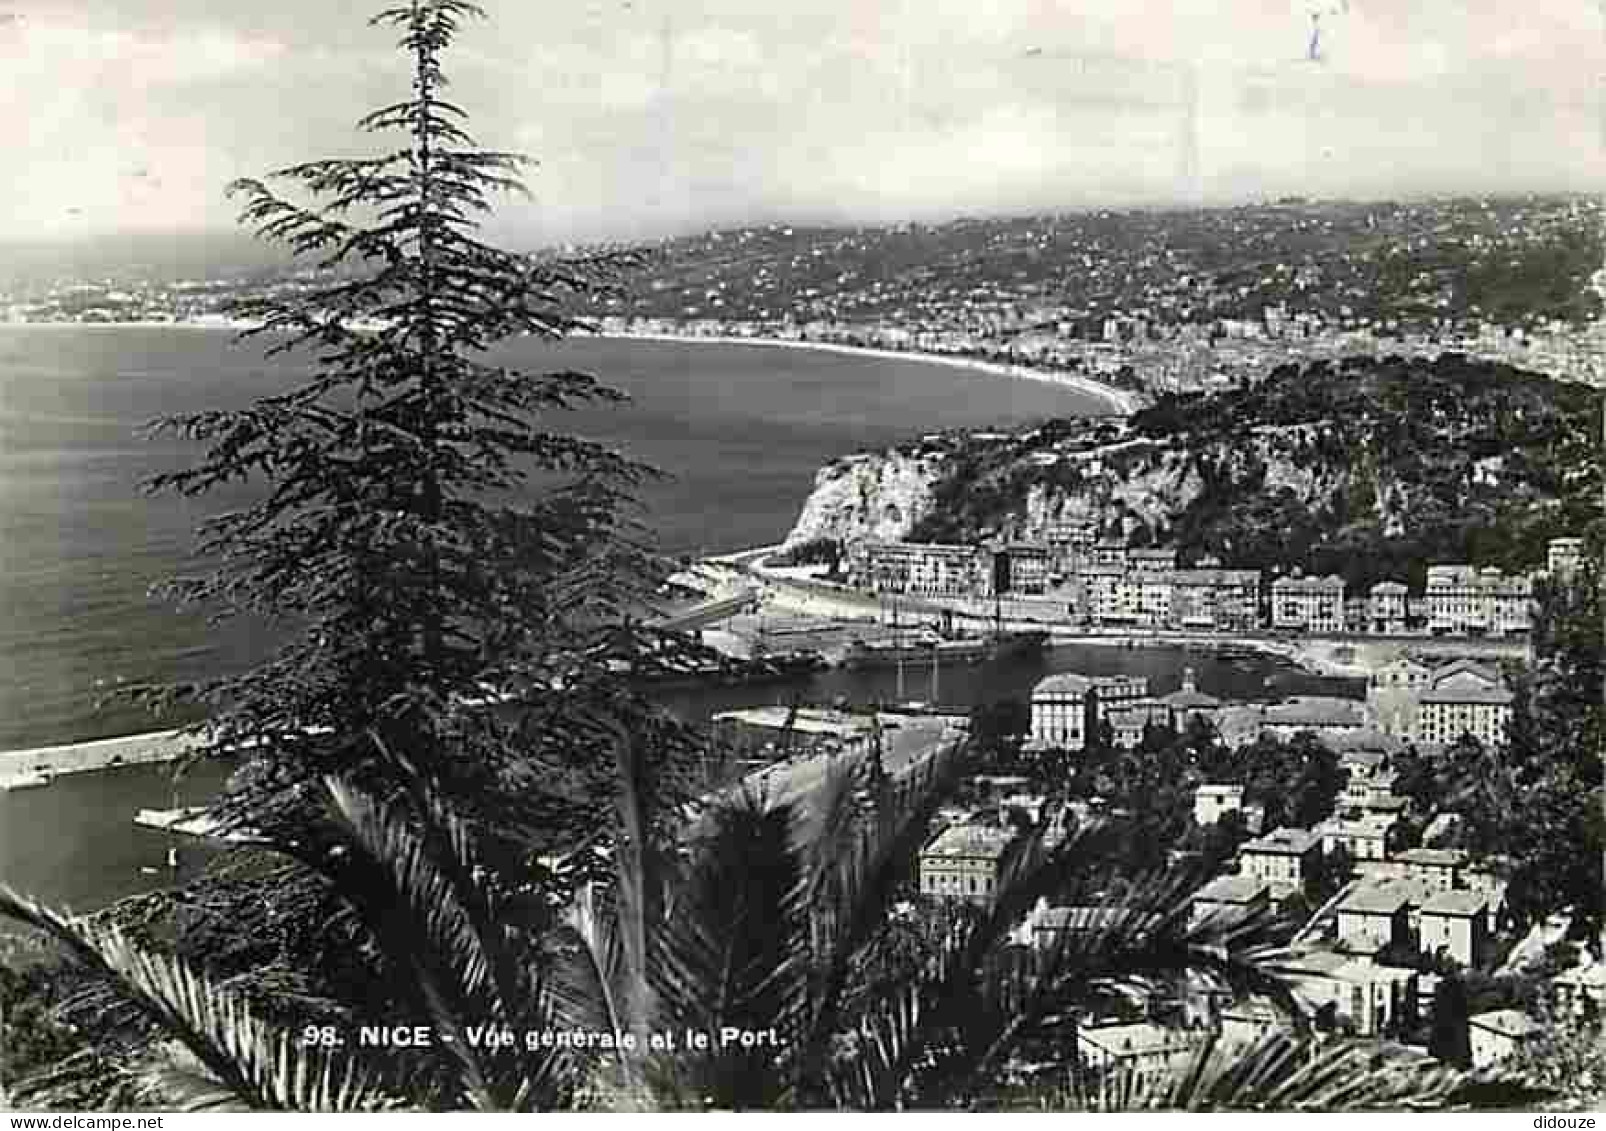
(428, 540)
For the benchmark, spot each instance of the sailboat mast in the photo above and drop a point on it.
(897, 645)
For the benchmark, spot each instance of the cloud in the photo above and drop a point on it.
(656, 114)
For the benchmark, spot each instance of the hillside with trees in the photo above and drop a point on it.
(1370, 468)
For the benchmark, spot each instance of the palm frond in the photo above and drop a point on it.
(247, 1063)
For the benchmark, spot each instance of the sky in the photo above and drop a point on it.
(657, 117)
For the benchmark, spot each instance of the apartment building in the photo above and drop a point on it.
(1060, 708)
(1464, 601)
(1230, 895)
(1212, 801)
(1455, 924)
(1463, 698)
(1308, 604)
(963, 863)
(1385, 607)
(1282, 859)
(920, 569)
(1216, 600)
(1021, 567)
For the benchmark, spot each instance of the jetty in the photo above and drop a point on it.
(194, 820)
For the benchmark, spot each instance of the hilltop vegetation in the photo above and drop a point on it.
(1369, 468)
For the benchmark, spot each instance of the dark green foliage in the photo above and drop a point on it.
(816, 551)
(1541, 799)
(1449, 1039)
(1368, 468)
(420, 530)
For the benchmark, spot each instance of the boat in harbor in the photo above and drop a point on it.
(931, 646)
(27, 780)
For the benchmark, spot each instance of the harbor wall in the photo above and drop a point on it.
(87, 757)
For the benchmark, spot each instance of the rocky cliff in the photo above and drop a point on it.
(1371, 468)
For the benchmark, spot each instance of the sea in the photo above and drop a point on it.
(738, 432)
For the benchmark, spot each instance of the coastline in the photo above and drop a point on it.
(1121, 402)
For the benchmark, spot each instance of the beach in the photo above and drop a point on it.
(1121, 401)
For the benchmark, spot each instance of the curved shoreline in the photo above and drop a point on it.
(1120, 401)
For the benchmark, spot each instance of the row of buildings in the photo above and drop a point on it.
(1406, 701)
(1073, 580)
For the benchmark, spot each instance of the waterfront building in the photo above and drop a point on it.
(1212, 801)
(1463, 601)
(1129, 722)
(919, 569)
(1215, 600)
(1463, 698)
(1456, 924)
(1385, 607)
(1021, 567)
(1498, 1034)
(1059, 712)
(963, 863)
(1102, 596)
(1070, 545)
(1118, 690)
(1308, 604)
(1142, 599)
(1373, 916)
(1563, 556)
(1283, 859)
(1188, 703)
(1229, 895)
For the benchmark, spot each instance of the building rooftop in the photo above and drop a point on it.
(1332, 583)
(1389, 587)
(983, 841)
(1433, 857)
(1316, 711)
(1186, 699)
(1370, 826)
(1282, 842)
(1375, 899)
(1463, 904)
(1066, 683)
(1447, 693)
(1219, 789)
(1138, 683)
(1231, 889)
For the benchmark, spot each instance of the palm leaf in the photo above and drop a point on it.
(245, 1062)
